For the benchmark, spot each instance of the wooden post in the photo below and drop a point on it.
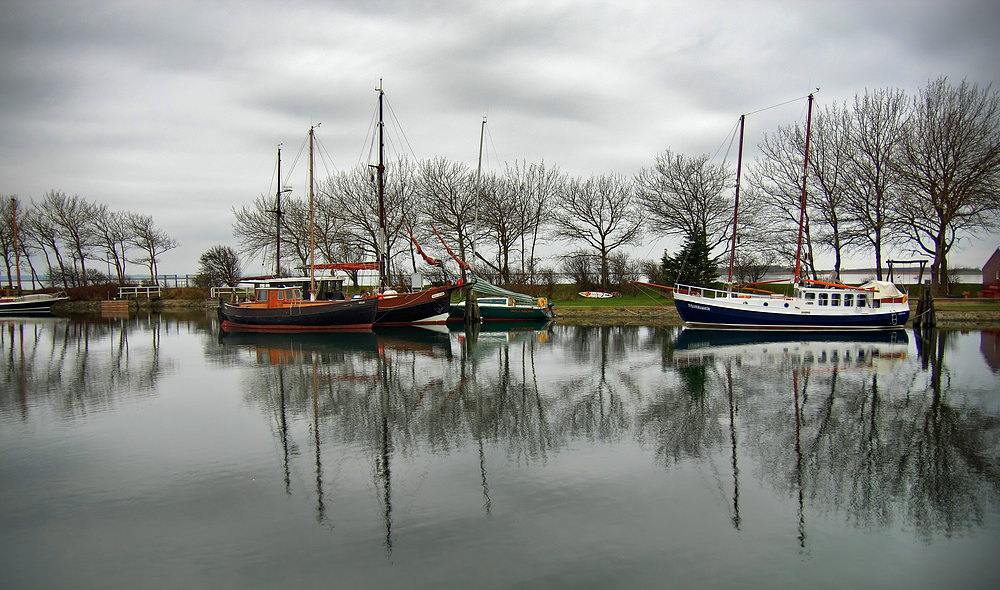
(925, 309)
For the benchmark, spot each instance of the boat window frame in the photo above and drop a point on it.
(262, 295)
(834, 299)
(848, 299)
(823, 300)
(862, 300)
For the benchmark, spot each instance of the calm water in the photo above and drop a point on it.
(152, 453)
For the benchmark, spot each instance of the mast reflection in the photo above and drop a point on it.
(836, 422)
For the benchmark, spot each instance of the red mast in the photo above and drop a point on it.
(736, 205)
(802, 201)
(17, 251)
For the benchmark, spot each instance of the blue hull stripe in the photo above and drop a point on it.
(705, 313)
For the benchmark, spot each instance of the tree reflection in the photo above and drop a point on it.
(80, 365)
(846, 425)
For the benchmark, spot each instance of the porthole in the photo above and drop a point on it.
(786, 305)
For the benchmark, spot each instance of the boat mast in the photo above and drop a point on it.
(17, 252)
(802, 200)
(383, 263)
(479, 189)
(312, 226)
(277, 220)
(736, 204)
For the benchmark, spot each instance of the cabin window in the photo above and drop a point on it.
(861, 300)
(297, 294)
(261, 295)
(810, 298)
(281, 295)
(835, 299)
(848, 299)
(823, 298)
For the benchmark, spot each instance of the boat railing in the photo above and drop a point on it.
(710, 293)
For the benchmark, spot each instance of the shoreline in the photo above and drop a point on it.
(950, 319)
(663, 315)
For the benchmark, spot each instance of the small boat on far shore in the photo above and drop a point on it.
(31, 304)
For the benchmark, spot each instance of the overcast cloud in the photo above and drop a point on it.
(174, 109)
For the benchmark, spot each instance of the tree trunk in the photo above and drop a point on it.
(941, 262)
(878, 254)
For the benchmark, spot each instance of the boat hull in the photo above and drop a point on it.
(29, 305)
(430, 306)
(503, 313)
(353, 314)
(786, 314)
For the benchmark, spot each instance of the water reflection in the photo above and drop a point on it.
(887, 430)
(76, 366)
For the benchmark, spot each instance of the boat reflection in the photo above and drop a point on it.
(786, 410)
(293, 347)
(500, 333)
(817, 348)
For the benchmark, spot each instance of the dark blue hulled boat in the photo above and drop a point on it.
(874, 305)
(812, 305)
(284, 309)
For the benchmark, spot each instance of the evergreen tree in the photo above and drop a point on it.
(693, 264)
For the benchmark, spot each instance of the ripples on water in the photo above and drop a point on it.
(157, 452)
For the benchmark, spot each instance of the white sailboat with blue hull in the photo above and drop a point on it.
(812, 304)
(873, 305)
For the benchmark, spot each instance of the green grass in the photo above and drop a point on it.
(624, 301)
(957, 306)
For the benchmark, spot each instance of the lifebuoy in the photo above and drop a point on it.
(542, 302)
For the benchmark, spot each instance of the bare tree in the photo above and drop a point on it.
(7, 239)
(219, 265)
(949, 163)
(255, 228)
(622, 270)
(752, 266)
(777, 180)
(73, 219)
(534, 187)
(686, 195)
(872, 197)
(38, 229)
(829, 155)
(448, 201)
(152, 240)
(354, 195)
(496, 201)
(602, 213)
(115, 235)
(581, 265)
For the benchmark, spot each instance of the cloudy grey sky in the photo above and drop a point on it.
(174, 109)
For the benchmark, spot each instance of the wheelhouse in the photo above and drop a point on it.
(279, 296)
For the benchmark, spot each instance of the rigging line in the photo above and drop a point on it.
(325, 158)
(399, 129)
(370, 132)
(731, 137)
(291, 168)
(496, 154)
(274, 173)
(781, 104)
